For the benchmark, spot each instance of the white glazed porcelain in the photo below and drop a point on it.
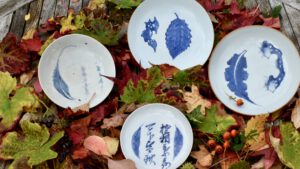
(70, 71)
(179, 33)
(257, 64)
(156, 136)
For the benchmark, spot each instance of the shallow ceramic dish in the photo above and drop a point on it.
(156, 136)
(71, 68)
(257, 64)
(179, 33)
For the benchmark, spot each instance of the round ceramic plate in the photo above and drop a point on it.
(257, 64)
(156, 136)
(71, 68)
(179, 33)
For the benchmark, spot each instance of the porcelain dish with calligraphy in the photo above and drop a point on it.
(156, 136)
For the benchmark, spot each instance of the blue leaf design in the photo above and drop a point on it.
(236, 74)
(59, 84)
(178, 142)
(136, 142)
(273, 82)
(151, 27)
(178, 37)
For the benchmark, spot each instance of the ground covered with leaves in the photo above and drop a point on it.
(35, 133)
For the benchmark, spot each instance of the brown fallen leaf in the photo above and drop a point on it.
(115, 121)
(296, 115)
(122, 164)
(26, 77)
(227, 2)
(203, 156)
(228, 159)
(194, 99)
(212, 17)
(256, 123)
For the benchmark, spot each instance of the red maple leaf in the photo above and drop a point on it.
(13, 59)
(31, 45)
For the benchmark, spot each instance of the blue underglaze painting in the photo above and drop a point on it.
(178, 142)
(100, 75)
(178, 37)
(136, 142)
(151, 28)
(236, 75)
(84, 75)
(273, 82)
(152, 143)
(59, 84)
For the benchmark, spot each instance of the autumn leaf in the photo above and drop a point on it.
(33, 44)
(97, 145)
(94, 4)
(144, 91)
(296, 115)
(78, 130)
(67, 24)
(34, 143)
(112, 144)
(271, 22)
(101, 30)
(187, 165)
(122, 164)
(212, 122)
(268, 159)
(194, 99)
(126, 4)
(115, 121)
(13, 59)
(14, 101)
(203, 156)
(288, 152)
(228, 159)
(26, 77)
(49, 40)
(256, 123)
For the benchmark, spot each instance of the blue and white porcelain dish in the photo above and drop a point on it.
(257, 64)
(71, 71)
(176, 32)
(156, 136)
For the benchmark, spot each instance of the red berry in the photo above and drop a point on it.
(211, 143)
(226, 135)
(226, 144)
(233, 133)
(239, 102)
(219, 149)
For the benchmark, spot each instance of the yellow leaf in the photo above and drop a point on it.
(94, 4)
(194, 99)
(112, 145)
(66, 23)
(29, 34)
(256, 123)
(27, 17)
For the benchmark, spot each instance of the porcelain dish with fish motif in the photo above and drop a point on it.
(257, 64)
(179, 33)
(156, 136)
(71, 71)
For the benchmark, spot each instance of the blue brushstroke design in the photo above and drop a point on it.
(236, 74)
(178, 37)
(136, 142)
(273, 82)
(83, 73)
(151, 27)
(178, 142)
(59, 84)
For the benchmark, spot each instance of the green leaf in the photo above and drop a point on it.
(213, 122)
(33, 143)
(241, 164)
(102, 30)
(276, 11)
(11, 106)
(187, 166)
(127, 4)
(289, 151)
(144, 91)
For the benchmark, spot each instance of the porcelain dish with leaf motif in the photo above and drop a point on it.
(156, 136)
(71, 71)
(179, 33)
(257, 64)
